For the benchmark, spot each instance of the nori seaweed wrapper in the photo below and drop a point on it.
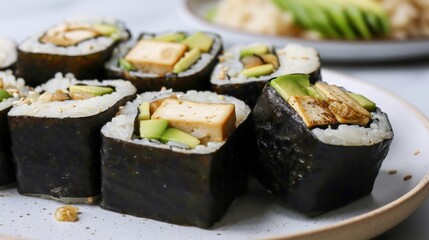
(199, 80)
(37, 68)
(311, 176)
(59, 158)
(175, 187)
(7, 168)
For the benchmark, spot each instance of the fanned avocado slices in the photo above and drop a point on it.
(352, 19)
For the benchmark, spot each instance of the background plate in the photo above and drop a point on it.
(330, 50)
(259, 215)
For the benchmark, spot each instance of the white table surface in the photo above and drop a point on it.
(408, 80)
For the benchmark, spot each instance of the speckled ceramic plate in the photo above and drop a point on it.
(258, 215)
(331, 50)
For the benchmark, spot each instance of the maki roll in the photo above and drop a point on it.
(8, 53)
(177, 60)
(11, 90)
(243, 70)
(79, 46)
(56, 140)
(176, 157)
(321, 146)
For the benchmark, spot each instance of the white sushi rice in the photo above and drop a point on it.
(354, 135)
(293, 58)
(8, 52)
(203, 61)
(33, 45)
(11, 82)
(71, 108)
(122, 126)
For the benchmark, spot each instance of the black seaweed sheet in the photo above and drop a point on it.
(147, 82)
(250, 91)
(37, 68)
(59, 157)
(311, 176)
(7, 168)
(174, 187)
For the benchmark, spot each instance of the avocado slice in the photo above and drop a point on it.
(124, 64)
(152, 129)
(302, 80)
(107, 30)
(320, 19)
(93, 90)
(187, 61)
(338, 19)
(170, 37)
(199, 40)
(291, 85)
(176, 135)
(254, 50)
(258, 70)
(363, 101)
(356, 17)
(299, 12)
(4, 95)
(282, 4)
(144, 111)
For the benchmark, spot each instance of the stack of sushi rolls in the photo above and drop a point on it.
(176, 157)
(243, 70)
(55, 134)
(79, 46)
(8, 53)
(321, 146)
(175, 60)
(11, 90)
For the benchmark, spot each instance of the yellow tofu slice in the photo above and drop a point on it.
(155, 57)
(345, 108)
(209, 122)
(313, 112)
(155, 104)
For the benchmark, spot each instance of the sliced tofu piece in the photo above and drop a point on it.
(345, 108)
(155, 104)
(209, 122)
(68, 36)
(155, 57)
(312, 111)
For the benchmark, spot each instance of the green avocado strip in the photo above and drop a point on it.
(4, 95)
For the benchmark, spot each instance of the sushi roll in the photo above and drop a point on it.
(243, 70)
(8, 53)
(55, 134)
(79, 46)
(175, 60)
(11, 90)
(176, 157)
(321, 146)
